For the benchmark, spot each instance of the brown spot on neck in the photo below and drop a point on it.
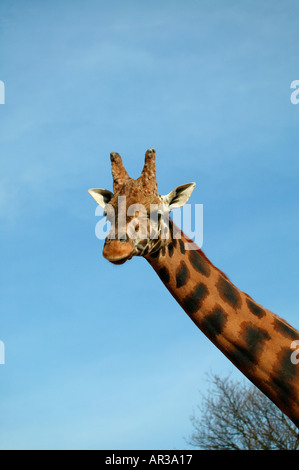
(228, 292)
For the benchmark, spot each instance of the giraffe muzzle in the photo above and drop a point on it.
(118, 252)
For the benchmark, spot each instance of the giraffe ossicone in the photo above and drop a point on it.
(258, 342)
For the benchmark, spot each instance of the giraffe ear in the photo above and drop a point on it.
(179, 196)
(101, 196)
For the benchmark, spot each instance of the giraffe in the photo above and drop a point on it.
(257, 341)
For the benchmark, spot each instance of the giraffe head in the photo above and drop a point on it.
(136, 211)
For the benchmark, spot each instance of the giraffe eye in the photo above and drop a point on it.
(156, 216)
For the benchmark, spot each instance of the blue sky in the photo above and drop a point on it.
(101, 356)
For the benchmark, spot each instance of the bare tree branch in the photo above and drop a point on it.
(237, 416)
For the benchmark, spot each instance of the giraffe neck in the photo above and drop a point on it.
(254, 339)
